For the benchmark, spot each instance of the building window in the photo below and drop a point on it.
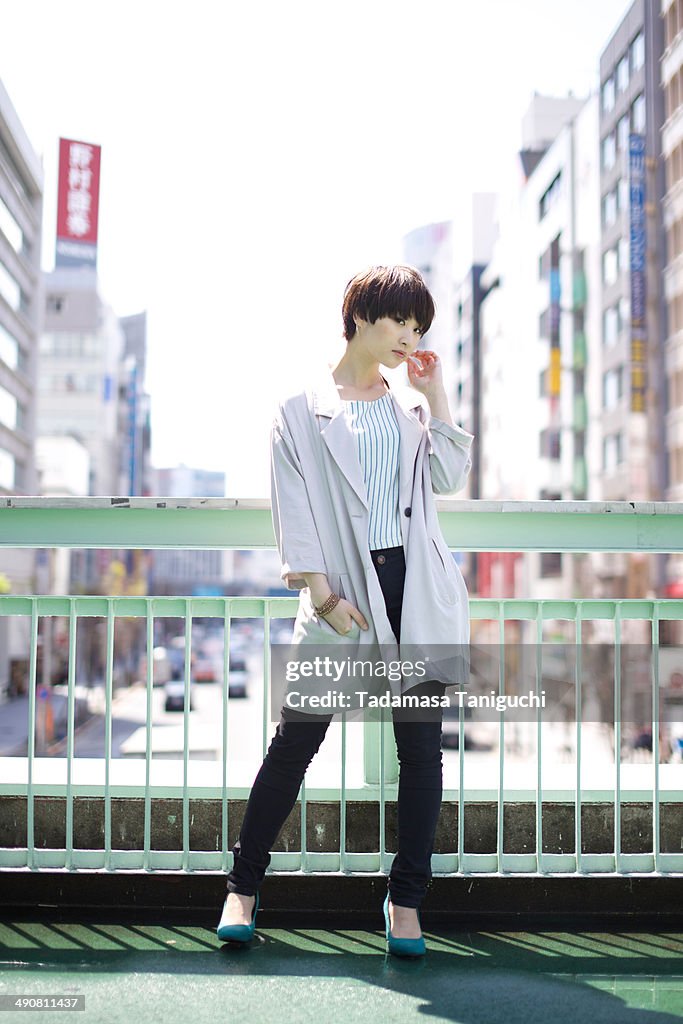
(622, 134)
(550, 195)
(637, 53)
(6, 470)
(10, 228)
(612, 387)
(608, 152)
(611, 452)
(9, 289)
(8, 409)
(608, 95)
(672, 22)
(609, 208)
(550, 447)
(9, 349)
(610, 326)
(623, 196)
(622, 74)
(610, 266)
(624, 253)
(638, 115)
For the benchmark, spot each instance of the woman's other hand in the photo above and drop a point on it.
(343, 616)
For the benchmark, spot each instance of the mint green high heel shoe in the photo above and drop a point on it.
(403, 947)
(237, 932)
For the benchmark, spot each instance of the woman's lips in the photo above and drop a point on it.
(397, 353)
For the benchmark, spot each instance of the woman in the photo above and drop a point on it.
(355, 465)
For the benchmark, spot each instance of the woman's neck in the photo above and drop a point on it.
(358, 376)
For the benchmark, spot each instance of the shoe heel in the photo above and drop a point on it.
(402, 947)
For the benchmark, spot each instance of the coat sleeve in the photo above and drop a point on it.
(450, 457)
(295, 533)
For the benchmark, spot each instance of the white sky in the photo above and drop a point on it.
(256, 155)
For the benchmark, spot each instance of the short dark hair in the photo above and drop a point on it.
(387, 291)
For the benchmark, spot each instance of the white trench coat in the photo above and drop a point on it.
(321, 520)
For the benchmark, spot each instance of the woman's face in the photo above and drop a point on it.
(390, 339)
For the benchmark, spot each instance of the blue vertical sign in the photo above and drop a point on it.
(132, 430)
(636, 164)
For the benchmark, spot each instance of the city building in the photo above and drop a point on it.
(475, 250)
(540, 302)
(21, 211)
(134, 409)
(81, 351)
(672, 154)
(633, 464)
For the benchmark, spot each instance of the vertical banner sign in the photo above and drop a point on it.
(78, 197)
(554, 372)
(132, 430)
(636, 165)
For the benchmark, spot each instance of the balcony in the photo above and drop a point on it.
(543, 823)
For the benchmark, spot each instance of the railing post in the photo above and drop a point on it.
(371, 753)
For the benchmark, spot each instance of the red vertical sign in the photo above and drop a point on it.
(77, 203)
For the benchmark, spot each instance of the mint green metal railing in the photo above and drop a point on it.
(213, 523)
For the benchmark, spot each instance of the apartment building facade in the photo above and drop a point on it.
(633, 465)
(672, 155)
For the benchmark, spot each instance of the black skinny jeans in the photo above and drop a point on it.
(298, 738)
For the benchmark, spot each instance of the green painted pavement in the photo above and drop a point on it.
(179, 973)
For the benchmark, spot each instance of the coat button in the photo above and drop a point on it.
(381, 559)
(408, 511)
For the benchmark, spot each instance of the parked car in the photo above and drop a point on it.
(239, 676)
(204, 669)
(174, 696)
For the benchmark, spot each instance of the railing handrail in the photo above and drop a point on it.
(468, 525)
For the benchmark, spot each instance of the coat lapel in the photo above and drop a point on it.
(335, 432)
(337, 435)
(406, 401)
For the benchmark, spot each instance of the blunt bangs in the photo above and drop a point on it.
(398, 291)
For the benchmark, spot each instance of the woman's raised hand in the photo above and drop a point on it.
(424, 370)
(343, 616)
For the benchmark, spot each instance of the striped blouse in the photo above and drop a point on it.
(377, 436)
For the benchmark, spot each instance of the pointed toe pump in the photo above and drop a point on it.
(237, 932)
(402, 947)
